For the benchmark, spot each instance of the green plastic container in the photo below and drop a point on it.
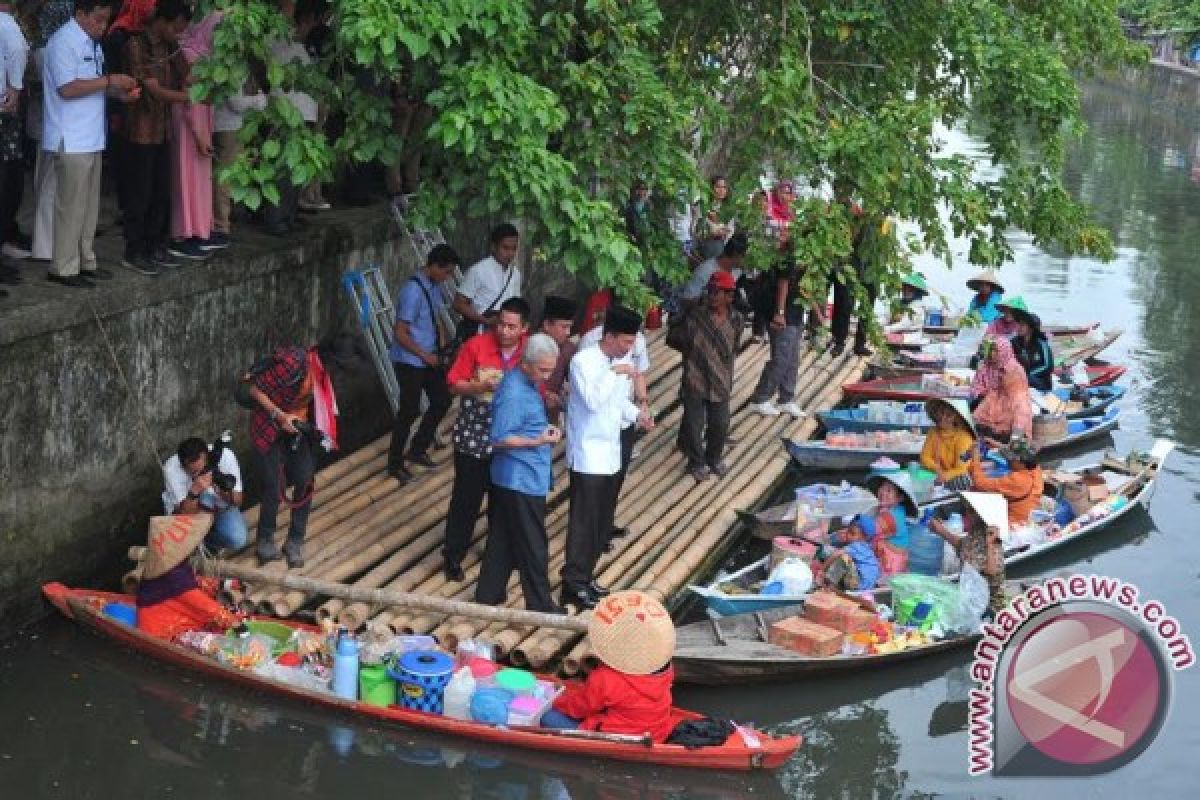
(517, 681)
(277, 632)
(375, 686)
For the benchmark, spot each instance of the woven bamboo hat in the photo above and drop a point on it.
(991, 508)
(172, 539)
(957, 405)
(987, 276)
(632, 633)
(901, 481)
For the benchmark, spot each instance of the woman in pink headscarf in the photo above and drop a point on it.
(1001, 392)
(779, 208)
(191, 155)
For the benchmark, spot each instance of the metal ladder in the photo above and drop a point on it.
(376, 316)
(422, 241)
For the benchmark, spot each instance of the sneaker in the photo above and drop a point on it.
(215, 241)
(699, 474)
(294, 553)
(97, 274)
(15, 251)
(72, 281)
(139, 264)
(837, 349)
(454, 573)
(766, 408)
(864, 351)
(400, 473)
(266, 554)
(164, 260)
(719, 470)
(793, 409)
(186, 249)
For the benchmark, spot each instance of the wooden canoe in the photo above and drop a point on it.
(1049, 330)
(746, 749)
(733, 651)
(1137, 488)
(1068, 351)
(817, 455)
(911, 389)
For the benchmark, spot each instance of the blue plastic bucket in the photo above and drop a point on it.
(422, 676)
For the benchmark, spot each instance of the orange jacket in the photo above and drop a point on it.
(1021, 488)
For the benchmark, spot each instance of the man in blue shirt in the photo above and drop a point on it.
(522, 441)
(418, 356)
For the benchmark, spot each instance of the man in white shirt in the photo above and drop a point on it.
(14, 55)
(599, 406)
(198, 480)
(489, 282)
(73, 131)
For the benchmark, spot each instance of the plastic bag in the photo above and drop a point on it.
(794, 576)
(931, 599)
(474, 648)
(951, 565)
(973, 596)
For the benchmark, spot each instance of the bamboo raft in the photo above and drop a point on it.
(370, 533)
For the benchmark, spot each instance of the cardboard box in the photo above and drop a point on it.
(833, 611)
(806, 637)
(1097, 492)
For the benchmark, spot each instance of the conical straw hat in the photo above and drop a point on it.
(901, 481)
(172, 539)
(957, 405)
(991, 508)
(987, 276)
(632, 633)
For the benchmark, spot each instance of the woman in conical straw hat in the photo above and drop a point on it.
(171, 598)
(985, 527)
(630, 692)
(988, 293)
(1032, 348)
(950, 445)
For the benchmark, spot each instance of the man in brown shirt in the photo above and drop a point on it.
(708, 336)
(153, 58)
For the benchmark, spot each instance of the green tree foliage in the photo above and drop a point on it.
(1178, 16)
(548, 110)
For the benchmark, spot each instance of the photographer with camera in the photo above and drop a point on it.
(200, 480)
(291, 395)
(419, 357)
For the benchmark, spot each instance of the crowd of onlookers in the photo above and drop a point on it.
(95, 93)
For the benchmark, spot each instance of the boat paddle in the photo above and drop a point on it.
(643, 739)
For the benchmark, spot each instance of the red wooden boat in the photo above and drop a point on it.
(746, 749)
(906, 388)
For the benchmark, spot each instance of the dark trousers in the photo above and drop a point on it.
(472, 480)
(843, 308)
(284, 214)
(703, 431)
(145, 191)
(413, 381)
(12, 189)
(516, 538)
(589, 522)
(280, 468)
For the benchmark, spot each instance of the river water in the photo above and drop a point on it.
(80, 718)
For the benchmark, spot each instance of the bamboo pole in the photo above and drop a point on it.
(304, 585)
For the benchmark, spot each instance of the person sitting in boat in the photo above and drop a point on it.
(1021, 487)
(897, 502)
(988, 293)
(950, 446)
(630, 692)
(1032, 349)
(1006, 324)
(913, 290)
(171, 598)
(853, 565)
(1000, 400)
(985, 526)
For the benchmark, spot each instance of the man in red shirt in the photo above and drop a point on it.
(477, 371)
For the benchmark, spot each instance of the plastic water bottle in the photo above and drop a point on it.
(345, 667)
(456, 698)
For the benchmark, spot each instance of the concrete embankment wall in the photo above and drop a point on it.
(78, 476)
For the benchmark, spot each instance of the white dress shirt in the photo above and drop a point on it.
(599, 408)
(74, 125)
(177, 483)
(14, 54)
(638, 357)
(484, 284)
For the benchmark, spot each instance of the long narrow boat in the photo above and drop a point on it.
(1049, 330)
(818, 455)
(1136, 486)
(911, 361)
(746, 748)
(734, 650)
(854, 420)
(912, 389)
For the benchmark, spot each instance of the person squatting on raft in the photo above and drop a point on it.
(985, 522)
(171, 598)
(203, 480)
(853, 565)
(522, 443)
(1021, 488)
(630, 692)
(950, 445)
(708, 336)
(1000, 394)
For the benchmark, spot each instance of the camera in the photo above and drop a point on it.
(304, 430)
(222, 480)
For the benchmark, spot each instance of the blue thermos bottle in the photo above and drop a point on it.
(345, 667)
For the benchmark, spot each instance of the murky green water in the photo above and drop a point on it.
(80, 718)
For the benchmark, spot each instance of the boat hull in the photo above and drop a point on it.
(909, 389)
(83, 606)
